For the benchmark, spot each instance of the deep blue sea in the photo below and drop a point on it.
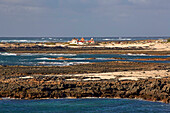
(83, 106)
(65, 39)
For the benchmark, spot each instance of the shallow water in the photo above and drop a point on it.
(83, 106)
(42, 59)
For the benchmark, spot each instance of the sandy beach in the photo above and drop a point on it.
(130, 75)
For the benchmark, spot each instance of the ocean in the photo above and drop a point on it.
(66, 39)
(44, 59)
(83, 106)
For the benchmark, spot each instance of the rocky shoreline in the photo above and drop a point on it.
(152, 89)
(101, 67)
(84, 50)
(38, 82)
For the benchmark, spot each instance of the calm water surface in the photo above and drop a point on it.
(83, 106)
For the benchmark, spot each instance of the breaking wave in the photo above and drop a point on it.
(8, 54)
(44, 59)
(112, 39)
(24, 41)
(61, 63)
(34, 54)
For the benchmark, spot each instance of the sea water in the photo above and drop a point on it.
(44, 59)
(66, 39)
(83, 106)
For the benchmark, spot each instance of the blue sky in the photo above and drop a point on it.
(84, 17)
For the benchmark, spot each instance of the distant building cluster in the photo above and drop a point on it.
(75, 41)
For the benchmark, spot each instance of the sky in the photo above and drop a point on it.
(64, 18)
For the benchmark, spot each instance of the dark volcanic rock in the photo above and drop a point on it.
(2, 50)
(152, 89)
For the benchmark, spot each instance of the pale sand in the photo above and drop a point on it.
(152, 46)
(128, 75)
(125, 75)
(161, 46)
(155, 46)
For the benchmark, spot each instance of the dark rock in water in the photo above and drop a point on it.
(2, 50)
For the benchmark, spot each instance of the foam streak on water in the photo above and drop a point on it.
(34, 54)
(50, 59)
(8, 54)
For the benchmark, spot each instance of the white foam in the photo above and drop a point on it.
(78, 58)
(44, 59)
(24, 41)
(130, 54)
(51, 54)
(62, 63)
(45, 54)
(51, 63)
(124, 39)
(117, 39)
(104, 59)
(8, 54)
(36, 54)
(137, 54)
(108, 39)
(14, 40)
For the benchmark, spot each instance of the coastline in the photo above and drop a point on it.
(138, 97)
(43, 86)
(147, 52)
(115, 79)
(149, 47)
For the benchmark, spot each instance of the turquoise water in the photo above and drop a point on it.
(28, 59)
(83, 106)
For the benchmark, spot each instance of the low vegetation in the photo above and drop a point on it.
(169, 40)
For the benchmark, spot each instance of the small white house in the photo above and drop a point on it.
(80, 43)
(74, 41)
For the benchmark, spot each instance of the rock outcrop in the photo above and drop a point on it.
(155, 59)
(56, 87)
